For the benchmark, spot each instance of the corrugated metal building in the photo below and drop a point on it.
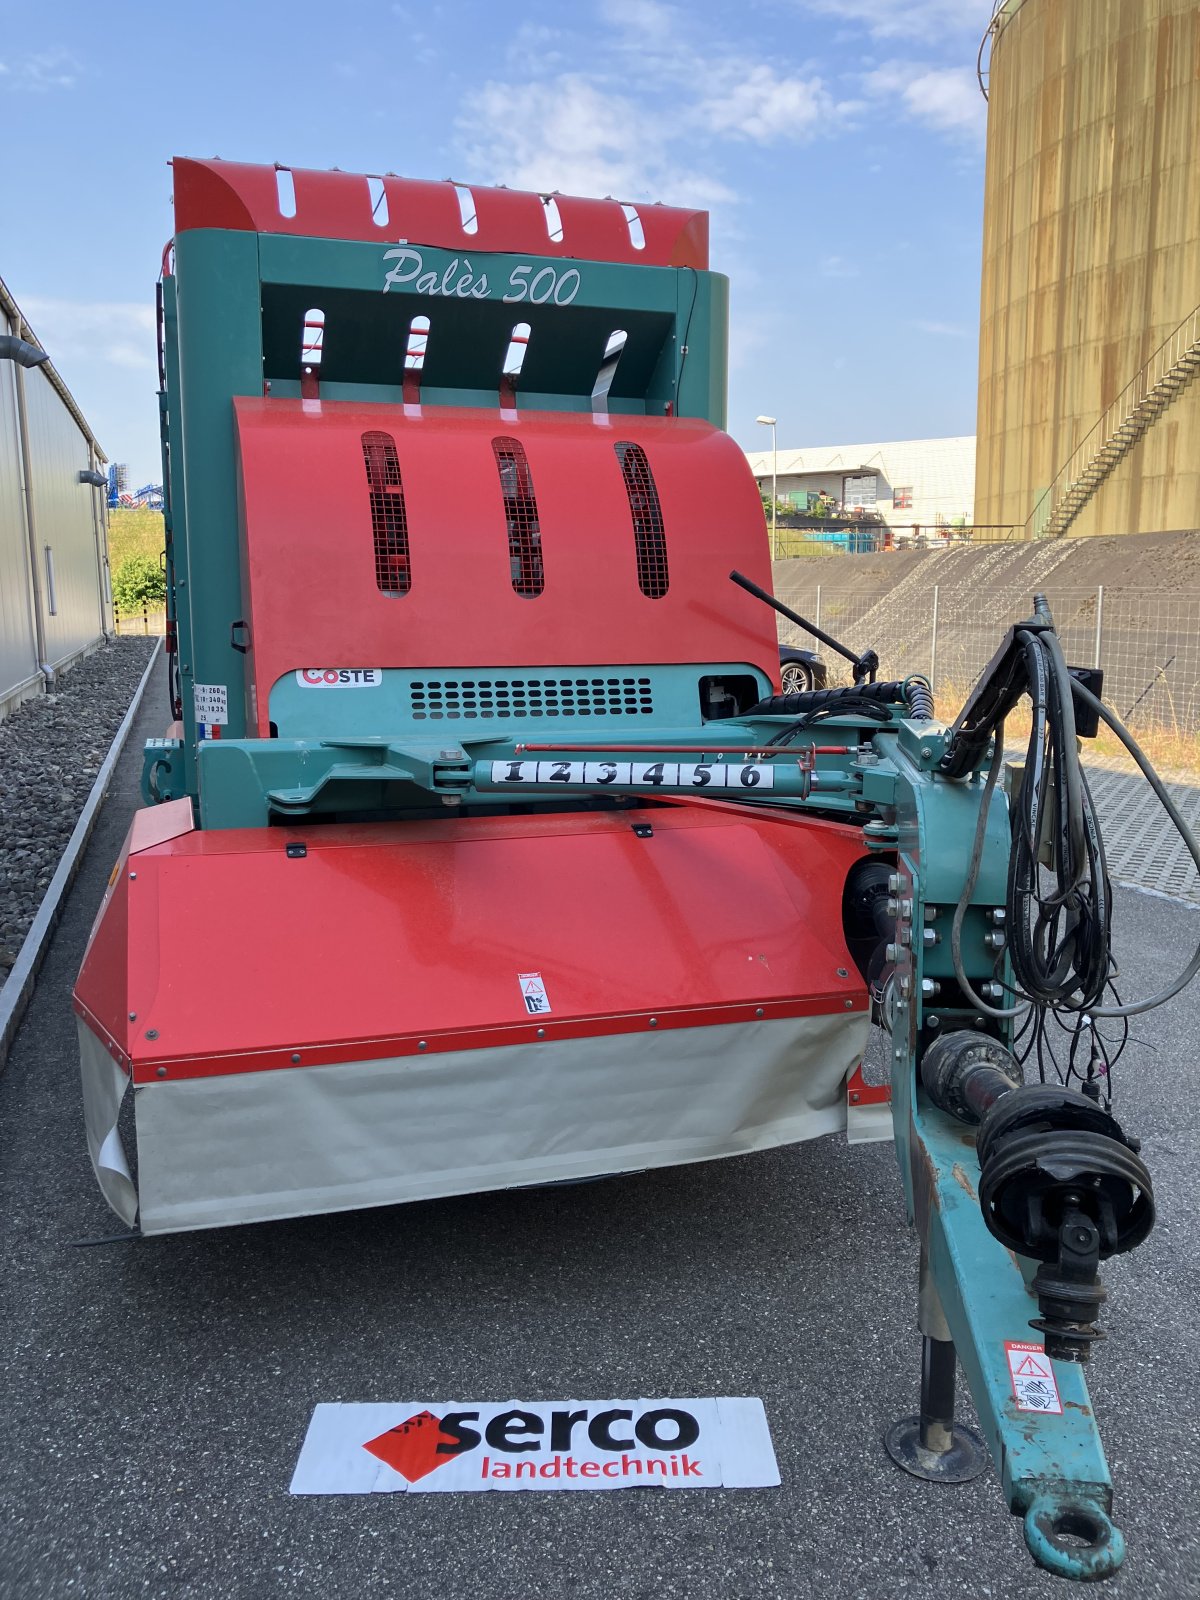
(929, 482)
(55, 593)
(1089, 358)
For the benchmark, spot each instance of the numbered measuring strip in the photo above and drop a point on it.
(637, 774)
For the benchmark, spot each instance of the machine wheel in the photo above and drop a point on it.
(796, 677)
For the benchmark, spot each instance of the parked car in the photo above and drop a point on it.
(800, 670)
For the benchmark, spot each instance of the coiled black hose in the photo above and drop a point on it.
(914, 693)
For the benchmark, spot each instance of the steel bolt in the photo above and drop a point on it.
(843, 972)
(849, 1005)
(996, 940)
(541, 1033)
(891, 952)
(934, 1020)
(449, 755)
(423, 1044)
(654, 1022)
(926, 752)
(999, 914)
(133, 1016)
(895, 883)
(296, 1058)
(931, 936)
(929, 987)
(759, 1012)
(152, 1033)
(133, 874)
(162, 1072)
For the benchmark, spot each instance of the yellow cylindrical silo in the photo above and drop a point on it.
(1091, 261)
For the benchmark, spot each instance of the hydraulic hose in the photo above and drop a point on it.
(913, 693)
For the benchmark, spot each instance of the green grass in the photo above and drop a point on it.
(133, 533)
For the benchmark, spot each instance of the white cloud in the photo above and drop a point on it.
(116, 333)
(578, 137)
(535, 48)
(646, 19)
(930, 20)
(51, 69)
(759, 104)
(944, 330)
(838, 267)
(944, 98)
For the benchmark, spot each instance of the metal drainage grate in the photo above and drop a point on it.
(452, 698)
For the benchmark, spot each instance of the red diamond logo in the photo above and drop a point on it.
(411, 1447)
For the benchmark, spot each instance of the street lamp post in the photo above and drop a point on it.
(769, 422)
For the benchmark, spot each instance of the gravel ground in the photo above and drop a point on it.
(50, 752)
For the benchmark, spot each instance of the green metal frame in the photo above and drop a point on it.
(233, 311)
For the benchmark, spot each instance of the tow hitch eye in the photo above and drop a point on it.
(1060, 1181)
(1075, 1540)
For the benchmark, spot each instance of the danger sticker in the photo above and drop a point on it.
(212, 703)
(462, 1447)
(533, 992)
(340, 677)
(1035, 1387)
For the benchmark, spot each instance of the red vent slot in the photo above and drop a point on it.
(521, 514)
(649, 536)
(389, 520)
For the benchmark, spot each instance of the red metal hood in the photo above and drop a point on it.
(386, 940)
(309, 574)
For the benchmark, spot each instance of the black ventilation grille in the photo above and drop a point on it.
(389, 519)
(521, 514)
(649, 537)
(449, 699)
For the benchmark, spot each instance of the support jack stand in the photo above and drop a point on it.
(932, 1445)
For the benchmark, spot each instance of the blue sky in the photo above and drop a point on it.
(837, 143)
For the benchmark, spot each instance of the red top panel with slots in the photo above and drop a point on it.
(432, 544)
(338, 205)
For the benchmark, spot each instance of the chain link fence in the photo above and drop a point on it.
(1147, 642)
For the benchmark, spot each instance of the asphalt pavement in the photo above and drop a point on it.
(155, 1394)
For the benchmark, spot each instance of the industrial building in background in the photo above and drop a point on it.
(1089, 415)
(55, 594)
(924, 485)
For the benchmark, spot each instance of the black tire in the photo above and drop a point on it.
(796, 677)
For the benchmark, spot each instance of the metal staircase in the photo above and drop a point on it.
(1138, 406)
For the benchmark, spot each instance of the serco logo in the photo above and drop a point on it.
(464, 1446)
(424, 1442)
(340, 677)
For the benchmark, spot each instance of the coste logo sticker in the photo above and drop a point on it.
(340, 677)
(465, 1446)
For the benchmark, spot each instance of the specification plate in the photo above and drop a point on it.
(637, 774)
(212, 703)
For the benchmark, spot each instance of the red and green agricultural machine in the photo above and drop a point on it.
(484, 849)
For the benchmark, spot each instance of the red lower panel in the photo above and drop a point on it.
(220, 952)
